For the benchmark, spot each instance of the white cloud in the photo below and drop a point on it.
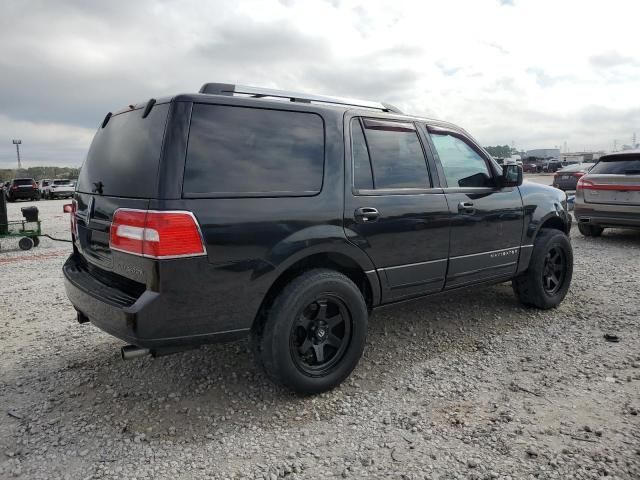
(537, 72)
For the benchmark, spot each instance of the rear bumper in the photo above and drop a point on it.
(17, 195)
(608, 215)
(61, 194)
(565, 184)
(148, 320)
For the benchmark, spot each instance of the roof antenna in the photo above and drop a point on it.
(107, 117)
(147, 109)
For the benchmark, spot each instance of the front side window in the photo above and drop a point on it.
(463, 166)
(240, 151)
(395, 154)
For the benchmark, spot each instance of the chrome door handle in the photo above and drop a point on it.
(366, 215)
(466, 207)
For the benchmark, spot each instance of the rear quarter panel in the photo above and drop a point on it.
(251, 241)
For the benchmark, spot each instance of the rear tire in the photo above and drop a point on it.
(314, 334)
(546, 282)
(590, 230)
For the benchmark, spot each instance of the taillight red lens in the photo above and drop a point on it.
(579, 174)
(156, 234)
(584, 184)
(72, 208)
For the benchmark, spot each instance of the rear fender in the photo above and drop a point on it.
(321, 239)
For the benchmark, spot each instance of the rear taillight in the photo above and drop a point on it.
(156, 234)
(584, 184)
(34, 184)
(71, 208)
(579, 174)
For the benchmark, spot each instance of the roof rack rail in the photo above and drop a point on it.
(257, 92)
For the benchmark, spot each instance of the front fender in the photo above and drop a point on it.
(544, 206)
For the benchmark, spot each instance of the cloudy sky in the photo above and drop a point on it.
(535, 72)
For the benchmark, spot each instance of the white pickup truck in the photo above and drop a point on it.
(57, 189)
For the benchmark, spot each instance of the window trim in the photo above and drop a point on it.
(387, 191)
(271, 193)
(439, 130)
(366, 143)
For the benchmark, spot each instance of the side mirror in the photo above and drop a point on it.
(511, 175)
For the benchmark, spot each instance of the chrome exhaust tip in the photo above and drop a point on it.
(131, 351)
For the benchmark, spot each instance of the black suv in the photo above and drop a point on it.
(288, 217)
(22, 188)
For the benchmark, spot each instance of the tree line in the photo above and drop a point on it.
(501, 151)
(38, 173)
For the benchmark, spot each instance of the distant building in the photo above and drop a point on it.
(631, 147)
(542, 153)
(581, 156)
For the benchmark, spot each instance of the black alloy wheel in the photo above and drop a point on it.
(554, 270)
(547, 279)
(320, 336)
(313, 334)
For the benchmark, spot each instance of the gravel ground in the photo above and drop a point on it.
(468, 385)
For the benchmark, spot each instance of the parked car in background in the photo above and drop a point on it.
(43, 186)
(609, 195)
(567, 177)
(376, 207)
(552, 166)
(532, 168)
(59, 189)
(22, 189)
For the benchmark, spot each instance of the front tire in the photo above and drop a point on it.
(590, 230)
(314, 334)
(546, 282)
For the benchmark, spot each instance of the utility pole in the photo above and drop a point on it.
(615, 145)
(633, 144)
(17, 144)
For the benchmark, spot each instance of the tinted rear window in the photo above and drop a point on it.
(628, 166)
(23, 181)
(124, 156)
(62, 182)
(240, 151)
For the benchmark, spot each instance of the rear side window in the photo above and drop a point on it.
(124, 156)
(240, 151)
(619, 166)
(396, 157)
(362, 175)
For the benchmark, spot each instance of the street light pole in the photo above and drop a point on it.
(17, 144)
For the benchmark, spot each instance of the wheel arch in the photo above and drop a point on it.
(551, 221)
(555, 222)
(364, 278)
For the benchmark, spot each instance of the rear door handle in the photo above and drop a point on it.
(466, 207)
(366, 215)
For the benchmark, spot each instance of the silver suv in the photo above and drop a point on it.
(609, 195)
